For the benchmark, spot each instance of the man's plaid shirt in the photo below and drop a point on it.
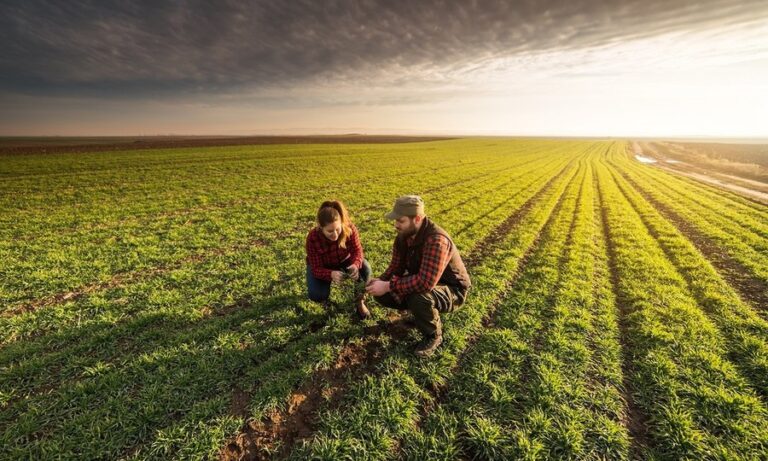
(324, 256)
(434, 259)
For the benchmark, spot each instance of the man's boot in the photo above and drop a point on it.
(428, 345)
(362, 310)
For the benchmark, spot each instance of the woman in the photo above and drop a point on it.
(334, 252)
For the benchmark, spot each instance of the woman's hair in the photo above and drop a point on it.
(331, 211)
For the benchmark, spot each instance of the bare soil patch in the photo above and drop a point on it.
(276, 434)
(678, 160)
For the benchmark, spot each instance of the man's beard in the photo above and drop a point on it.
(410, 231)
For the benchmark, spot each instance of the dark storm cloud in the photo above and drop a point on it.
(145, 48)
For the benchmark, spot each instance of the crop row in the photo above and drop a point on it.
(544, 380)
(738, 230)
(694, 401)
(744, 332)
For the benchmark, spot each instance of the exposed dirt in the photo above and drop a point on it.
(279, 431)
(747, 188)
(65, 145)
(489, 244)
(720, 181)
(750, 290)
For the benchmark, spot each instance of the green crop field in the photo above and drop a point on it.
(153, 306)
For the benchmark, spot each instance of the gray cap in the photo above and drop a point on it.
(407, 205)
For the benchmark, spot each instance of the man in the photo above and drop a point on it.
(426, 275)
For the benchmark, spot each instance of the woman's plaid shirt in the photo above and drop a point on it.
(324, 256)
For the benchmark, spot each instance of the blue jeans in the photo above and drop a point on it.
(320, 290)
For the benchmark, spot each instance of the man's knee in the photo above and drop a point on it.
(387, 300)
(419, 301)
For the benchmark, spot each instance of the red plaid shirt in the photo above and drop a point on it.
(434, 259)
(324, 256)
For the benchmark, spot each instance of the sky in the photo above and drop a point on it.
(473, 67)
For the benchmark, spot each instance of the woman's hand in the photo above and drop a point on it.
(337, 276)
(353, 272)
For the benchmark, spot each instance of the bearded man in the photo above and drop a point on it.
(426, 275)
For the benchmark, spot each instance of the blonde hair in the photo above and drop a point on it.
(332, 211)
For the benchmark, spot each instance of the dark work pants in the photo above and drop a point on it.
(426, 307)
(320, 290)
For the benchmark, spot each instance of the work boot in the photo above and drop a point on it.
(428, 345)
(362, 310)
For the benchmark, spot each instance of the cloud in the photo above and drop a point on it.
(148, 49)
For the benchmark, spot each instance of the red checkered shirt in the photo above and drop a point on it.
(324, 256)
(434, 259)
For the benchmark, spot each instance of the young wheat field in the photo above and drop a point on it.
(153, 306)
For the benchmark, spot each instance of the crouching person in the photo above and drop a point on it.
(334, 252)
(426, 275)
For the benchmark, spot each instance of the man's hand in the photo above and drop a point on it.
(377, 287)
(353, 272)
(337, 276)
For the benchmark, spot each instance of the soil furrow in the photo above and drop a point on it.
(635, 420)
(752, 291)
(439, 393)
(489, 244)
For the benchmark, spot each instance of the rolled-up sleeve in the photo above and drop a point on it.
(355, 248)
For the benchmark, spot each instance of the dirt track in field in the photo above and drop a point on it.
(747, 188)
(280, 430)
